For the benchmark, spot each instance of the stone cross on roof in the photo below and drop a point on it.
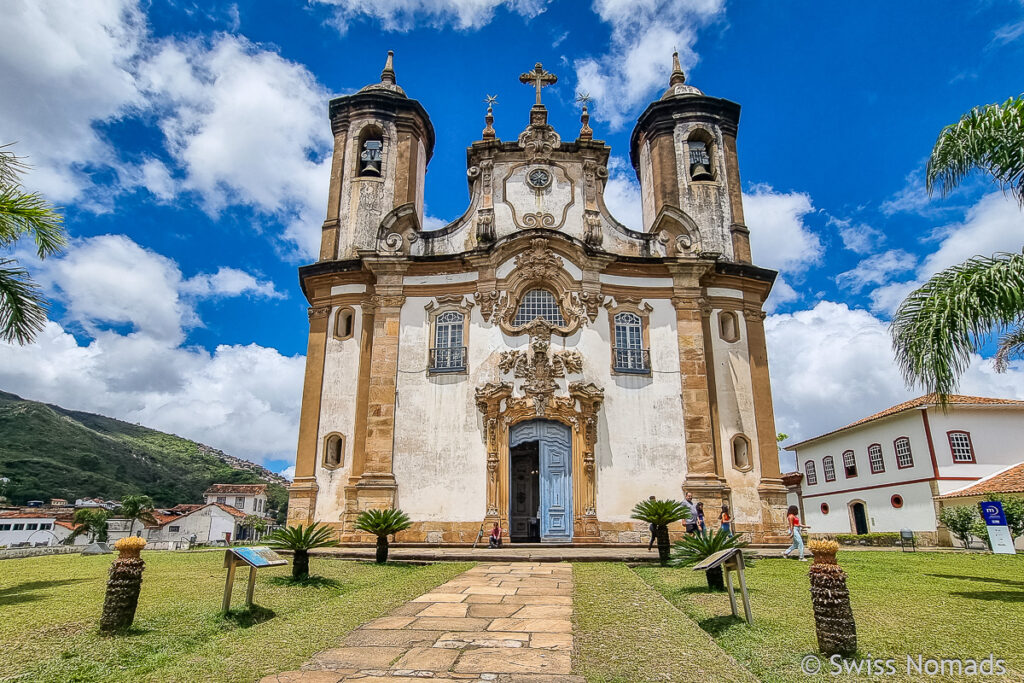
(538, 78)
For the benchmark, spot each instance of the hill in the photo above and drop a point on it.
(49, 452)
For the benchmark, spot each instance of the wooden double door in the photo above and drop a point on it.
(540, 491)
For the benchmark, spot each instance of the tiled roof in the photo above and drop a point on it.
(66, 525)
(919, 402)
(234, 512)
(22, 514)
(184, 510)
(1007, 480)
(239, 489)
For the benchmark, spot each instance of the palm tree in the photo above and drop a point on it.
(382, 523)
(137, 508)
(660, 513)
(941, 324)
(300, 540)
(693, 548)
(92, 521)
(22, 306)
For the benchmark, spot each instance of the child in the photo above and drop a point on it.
(794, 531)
(495, 540)
(726, 520)
(701, 526)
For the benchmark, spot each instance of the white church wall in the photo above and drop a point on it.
(735, 398)
(337, 413)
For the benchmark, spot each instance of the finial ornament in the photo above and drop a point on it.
(586, 132)
(491, 100)
(388, 74)
(538, 78)
(677, 77)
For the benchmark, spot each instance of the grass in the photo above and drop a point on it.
(51, 607)
(944, 605)
(627, 632)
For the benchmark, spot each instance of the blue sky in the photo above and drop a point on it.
(187, 143)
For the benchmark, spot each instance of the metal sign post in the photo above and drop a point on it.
(254, 558)
(730, 560)
(998, 531)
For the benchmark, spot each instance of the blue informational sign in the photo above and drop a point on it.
(992, 513)
(259, 556)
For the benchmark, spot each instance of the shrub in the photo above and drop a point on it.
(881, 538)
(960, 521)
(693, 548)
(382, 523)
(660, 513)
(300, 540)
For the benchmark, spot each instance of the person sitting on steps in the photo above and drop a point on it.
(495, 539)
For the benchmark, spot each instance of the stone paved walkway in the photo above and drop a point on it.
(496, 622)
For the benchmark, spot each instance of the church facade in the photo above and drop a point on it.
(535, 362)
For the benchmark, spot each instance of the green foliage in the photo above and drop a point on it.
(660, 512)
(878, 538)
(137, 509)
(693, 548)
(255, 522)
(960, 522)
(22, 306)
(989, 139)
(92, 521)
(941, 325)
(303, 537)
(48, 451)
(382, 522)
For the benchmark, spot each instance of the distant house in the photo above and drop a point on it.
(184, 524)
(894, 469)
(28, 528)
(107, 505)
(248, 498)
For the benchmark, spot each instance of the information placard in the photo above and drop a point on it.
(259, 556)
(998, 531)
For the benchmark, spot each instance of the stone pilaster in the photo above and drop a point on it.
(302, 492)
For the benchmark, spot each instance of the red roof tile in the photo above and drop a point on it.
(1008, 480)
(239, 489)
(22, 514)
(919, 402)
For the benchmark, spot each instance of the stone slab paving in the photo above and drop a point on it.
(503, 622)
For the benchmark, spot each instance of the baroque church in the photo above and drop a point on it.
(535, 362)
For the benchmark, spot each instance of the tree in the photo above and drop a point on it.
(940, 325)
(660, 513)
(137, 508)
(92, 521)
(254, 522)
(960, 522)
(22, 306)
(382, 523)
(693, 548)
(300, 540)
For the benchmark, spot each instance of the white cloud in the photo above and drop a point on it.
(831, 365)
(859, 238)
(242, 399)
(65, 67)
(404, 15)
(622, 194)
(288, 472)
(779, 237)
(993, 224)
(643, 35)
(878, 269)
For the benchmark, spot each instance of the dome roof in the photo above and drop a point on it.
(387, 79)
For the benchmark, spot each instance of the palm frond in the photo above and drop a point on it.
(660, 512)
(22, 306)
(1011, 345)
(382, 522)
(303, 537)
(693, 548)
(939, 325)
(24, 213)
(990, 139)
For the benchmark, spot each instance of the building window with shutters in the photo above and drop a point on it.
(904, 458)
(812, 474)
(875, 458)
(960, 446)
(829, 467)
(850, 464)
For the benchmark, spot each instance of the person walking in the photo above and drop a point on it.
(725, 520)
(701, 525)
(795, 529)
(691, 521)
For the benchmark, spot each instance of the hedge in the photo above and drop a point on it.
(884, 538)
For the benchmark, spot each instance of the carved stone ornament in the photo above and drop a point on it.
(485, 226)
(539, 262)
(387, 301)
(592, 233)
(488, 301)
(318, 312)
(539, 368)
(539, 140)
(754, 312)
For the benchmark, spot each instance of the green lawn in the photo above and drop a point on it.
(934, 604)
(627, 632)
(50, 608)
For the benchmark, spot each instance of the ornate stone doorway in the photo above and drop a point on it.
(549, 445)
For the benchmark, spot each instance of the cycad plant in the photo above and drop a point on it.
(660, 513)
(833, 615)
(693, 548)
(300, 540)
(382, 523)
(123, 585)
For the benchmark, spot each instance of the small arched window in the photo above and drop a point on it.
(371, 153)
(740, 452)
(334, 451)
(850, 464)
(448, 353)
(828, 465)
(630, 355)
(728, 326)
(344, 324)
(539, 303)
(701, 149)
(812, 474)
(904, 457)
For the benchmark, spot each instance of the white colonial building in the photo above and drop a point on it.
(182, 526)
(535, 362)
(885, 471)
(24, 528)
(250, 499)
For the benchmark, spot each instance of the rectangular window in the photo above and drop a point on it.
(174, 529)
(904, 458)
(830, 469)
(961, 446)
(46, 526)
(630, 355)
(19, 527)
(5, 527)
(239, 502)
(448, 354)
(223, 500)
(875, 458)
(812, 475)
(31, 526)
(850, 464)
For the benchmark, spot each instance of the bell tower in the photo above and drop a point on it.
(382, 143)
(683, 150)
